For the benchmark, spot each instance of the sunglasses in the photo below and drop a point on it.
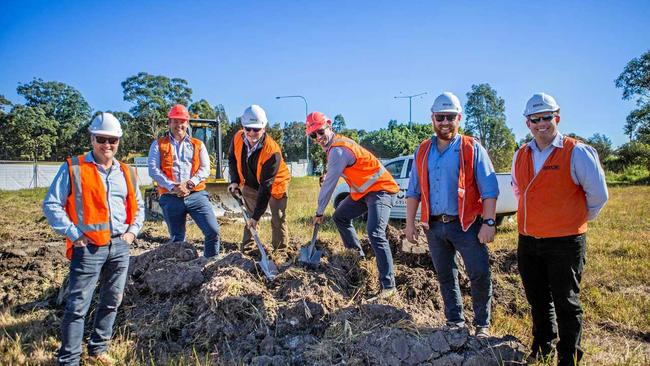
(545, 118)
(253, 129)
(320, 132)
(111, 140)
(448, 117)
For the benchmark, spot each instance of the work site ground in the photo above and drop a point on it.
(181, 308)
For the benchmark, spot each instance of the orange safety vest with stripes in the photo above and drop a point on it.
(367, 174)
(87, 206)
(550, 204)
(167, 161)
(270, 147)
(470, 205)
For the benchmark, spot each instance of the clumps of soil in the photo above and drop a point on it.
(28, 272)
(179, 302)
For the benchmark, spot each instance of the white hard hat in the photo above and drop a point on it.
(446, 102)
(105, 124)
(254, 116)
(540, 102)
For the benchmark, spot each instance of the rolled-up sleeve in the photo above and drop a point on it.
(486, 178)
(413, 190)
(587, 172)
(153, 163)
(54, 205)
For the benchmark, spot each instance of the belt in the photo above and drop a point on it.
(443, 218)
(116, 236)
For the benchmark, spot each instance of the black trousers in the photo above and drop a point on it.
(551, 270)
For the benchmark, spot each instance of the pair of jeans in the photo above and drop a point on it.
(197, 205)
(445, 239)
(109, 265)
(279, 228)
(378, 206)
(551, 271)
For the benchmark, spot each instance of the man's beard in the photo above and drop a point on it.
(446, 136)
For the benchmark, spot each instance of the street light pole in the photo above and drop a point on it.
(306, 113)
(410, 97)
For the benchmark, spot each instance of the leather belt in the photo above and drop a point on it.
(443, 218)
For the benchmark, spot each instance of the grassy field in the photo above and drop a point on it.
(615, 287)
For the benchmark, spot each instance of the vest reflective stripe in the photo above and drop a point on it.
(550, 203)
(470, 205)
(282, 177)
(87, 205)
(367, 174)
(167, 161)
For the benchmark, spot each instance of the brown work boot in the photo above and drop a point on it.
(102, 359)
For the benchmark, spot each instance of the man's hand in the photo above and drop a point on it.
(411, 233)
(180, 190)
(252, 224)
(81, 242)
(486, 234)
(317, 220)
(128, 237)
(232, 187)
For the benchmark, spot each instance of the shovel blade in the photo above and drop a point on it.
(310, 255)
(268, 267)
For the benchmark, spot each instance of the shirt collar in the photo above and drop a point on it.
(186, 138)
(257, 144)
(558, 141)
(453, 139)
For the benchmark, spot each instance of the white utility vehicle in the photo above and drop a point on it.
(400, 168)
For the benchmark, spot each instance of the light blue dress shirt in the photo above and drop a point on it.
(182, 167)
(585, 171)
(113, 178)
(443, 171)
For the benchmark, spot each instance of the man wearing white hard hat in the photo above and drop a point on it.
(95, 202)
(454, 181)
(180, 165)
(257, 168)
(560, 186)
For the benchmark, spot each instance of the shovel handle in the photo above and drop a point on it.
(315, 234)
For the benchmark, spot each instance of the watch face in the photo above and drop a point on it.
(489, 222)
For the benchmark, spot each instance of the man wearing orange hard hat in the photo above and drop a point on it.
(372, 189)
(180, 164)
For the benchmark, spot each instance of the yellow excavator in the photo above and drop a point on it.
(223, 204)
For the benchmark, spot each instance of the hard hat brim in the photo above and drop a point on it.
(255, 125)
(526, 114)
(106, 133)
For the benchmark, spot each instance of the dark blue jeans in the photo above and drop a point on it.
(109, 265)
(551, 270)
(378, 205)
(197, 204)
(444, 241)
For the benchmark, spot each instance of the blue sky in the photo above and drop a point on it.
(348, 57)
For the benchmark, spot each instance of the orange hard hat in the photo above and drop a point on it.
(179, 112)
(316, 121)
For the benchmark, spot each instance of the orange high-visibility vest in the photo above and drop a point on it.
(270, 147)
(167, 161)
(470, 204)
(550, 203)
(367, 174)
(87, 205)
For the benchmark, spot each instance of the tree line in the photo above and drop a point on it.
(52, 123)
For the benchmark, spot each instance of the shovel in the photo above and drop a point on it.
(268, 267)
(309, 254)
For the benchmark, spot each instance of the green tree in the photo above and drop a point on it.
(294, 141)
(63, 104)
(603, 146)
(396, 140)
(28, 133)
(202, 109)
(4, 103)
(635, 82)
(152, 96)
(276, 132)
(485, 118)
(338, 124)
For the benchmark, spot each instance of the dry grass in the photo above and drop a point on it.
(616, 282)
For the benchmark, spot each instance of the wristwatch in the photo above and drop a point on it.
(490, 222)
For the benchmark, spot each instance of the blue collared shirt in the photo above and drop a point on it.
(113, 178)
(183, 152)
(585, 171)
(443, 168)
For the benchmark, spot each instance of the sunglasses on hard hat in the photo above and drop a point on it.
(320, 132)
(448, 117)
(545, 118)
(111, 140)
(253, 129)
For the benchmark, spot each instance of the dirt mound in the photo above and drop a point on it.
(27, 272)
(178, 302)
